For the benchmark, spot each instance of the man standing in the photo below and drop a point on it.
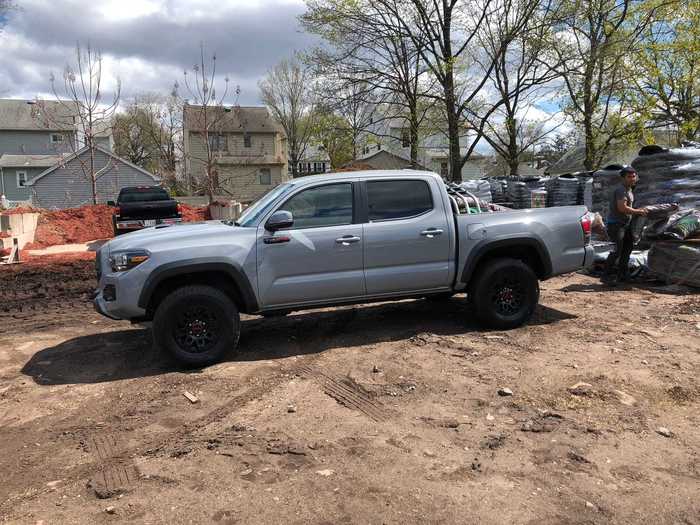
(619, 226)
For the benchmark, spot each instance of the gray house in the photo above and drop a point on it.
(36, 128)
(66, 185)
(17, 170)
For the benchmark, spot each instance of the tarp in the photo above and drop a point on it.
(676, 263)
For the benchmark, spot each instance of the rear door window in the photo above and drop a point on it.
(329, 205)
(398, 199)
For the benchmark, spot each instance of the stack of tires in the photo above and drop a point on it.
(522, 193)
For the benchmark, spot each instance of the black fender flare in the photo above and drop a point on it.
(199, 266)
(483, 248)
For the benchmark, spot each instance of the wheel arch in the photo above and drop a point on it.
(529, 250)
(217, 273)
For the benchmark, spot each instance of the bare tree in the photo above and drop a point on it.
(288, 92)
(523, 68)
(597, 37)
(207, 116)
(445, 33)
(372, 61)
(149, 134)
(81, 97)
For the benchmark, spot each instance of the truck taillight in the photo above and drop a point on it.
(586, 224)
(117, 211)
(179, 208)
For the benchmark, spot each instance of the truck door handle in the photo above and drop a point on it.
(347, 240)
(431, 232)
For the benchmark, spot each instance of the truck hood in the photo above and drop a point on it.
(177, 236)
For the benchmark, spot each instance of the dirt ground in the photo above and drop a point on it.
(384, 413)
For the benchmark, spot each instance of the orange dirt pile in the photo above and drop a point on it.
(88, 223)
(194, 213)
(73, 225)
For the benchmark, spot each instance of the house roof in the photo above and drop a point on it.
(315, 152)
(252, 119)
(31, 115)
(28, 161)
(75, 155)
(363, 159)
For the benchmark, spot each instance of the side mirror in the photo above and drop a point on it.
(280, 220)
(111, 203)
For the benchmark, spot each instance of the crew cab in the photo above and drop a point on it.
(139, 207)
(336, 239)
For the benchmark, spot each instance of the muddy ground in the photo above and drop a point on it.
(385, 413)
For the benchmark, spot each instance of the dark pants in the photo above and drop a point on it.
(621, 235)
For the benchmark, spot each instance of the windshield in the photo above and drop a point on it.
(262, 206)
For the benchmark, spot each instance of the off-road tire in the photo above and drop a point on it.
(504, 293)
(197, 324)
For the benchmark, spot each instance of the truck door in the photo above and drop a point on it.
(407, 240)
(320, 257)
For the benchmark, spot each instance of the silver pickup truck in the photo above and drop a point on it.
(336, 239)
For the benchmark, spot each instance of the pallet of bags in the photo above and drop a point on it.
(668, 175)
(563, 190)
(480, 188)
(523, 193)
(676, 262)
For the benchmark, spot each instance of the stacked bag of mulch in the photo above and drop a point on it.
(668, 175)
(499, 189)
(527, 193)
(603, 183)
(563, 190)
(480, 188)
(676, 263)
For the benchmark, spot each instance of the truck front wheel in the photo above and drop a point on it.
(504, 293)
(197, 324)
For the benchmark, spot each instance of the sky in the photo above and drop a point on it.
(147, 44)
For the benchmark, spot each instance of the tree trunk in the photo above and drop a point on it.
(513, 156)
(93, 178)
(413, 130)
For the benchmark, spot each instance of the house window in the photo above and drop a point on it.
(246, 140)
(217, 142)
(443, 169)
(21, 179)
(405, 138)
(265, 176)
(56, 138)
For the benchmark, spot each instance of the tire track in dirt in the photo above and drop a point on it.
(121, 458)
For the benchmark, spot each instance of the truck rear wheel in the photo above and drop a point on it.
(504, 293)
(197, 324)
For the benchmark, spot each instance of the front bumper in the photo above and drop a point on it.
(98, 303)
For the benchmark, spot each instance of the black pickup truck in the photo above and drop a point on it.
(140, 207)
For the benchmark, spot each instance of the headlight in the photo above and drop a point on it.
(121, 262)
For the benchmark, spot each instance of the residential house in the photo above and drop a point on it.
(394, 135)
(314, 161)
(35, 135)
(248, 147)
(381, 159)
(17, 170)
(68, 185)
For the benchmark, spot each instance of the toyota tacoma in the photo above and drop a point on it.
(336, 239)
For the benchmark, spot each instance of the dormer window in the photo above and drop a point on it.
(21, 179)
(56, 138)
